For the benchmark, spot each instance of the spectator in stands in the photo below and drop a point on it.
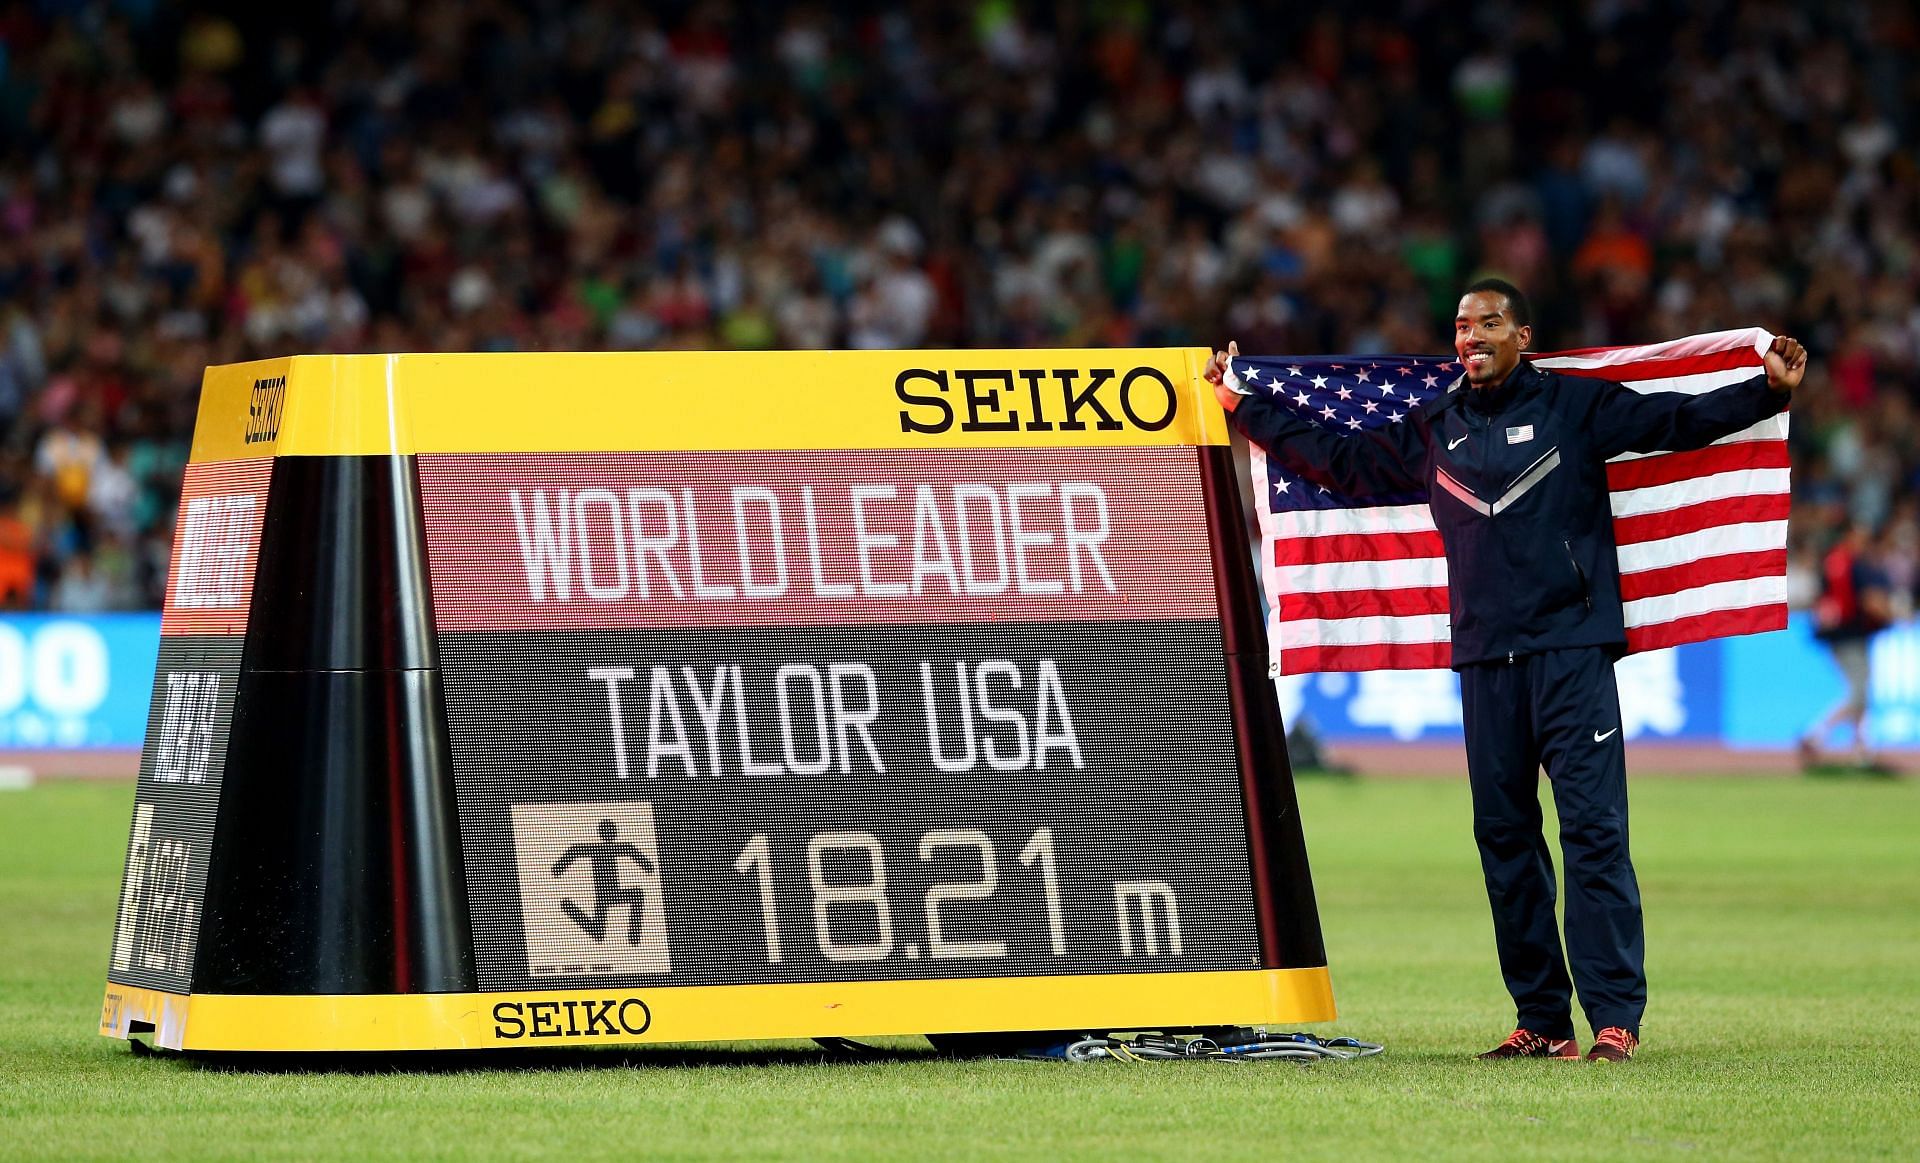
(206, 182)
(16, 560)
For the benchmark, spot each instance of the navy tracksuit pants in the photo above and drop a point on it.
(1559, 709)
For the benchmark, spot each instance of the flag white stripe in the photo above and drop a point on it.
(1720, 541)
(1368, 630)
(1695, 384)
(1626, 503)
(1403, 574)
(1719, 486)
(1427, 572)
(1337, 522)
(1772, 428)
(1707, 599)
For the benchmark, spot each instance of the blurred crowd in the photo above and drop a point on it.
(188, 185)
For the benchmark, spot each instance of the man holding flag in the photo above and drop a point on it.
(1512, 460)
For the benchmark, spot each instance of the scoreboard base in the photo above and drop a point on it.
(584, 1017)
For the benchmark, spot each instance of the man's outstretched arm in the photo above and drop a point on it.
(1390, 459)
(1629, 421)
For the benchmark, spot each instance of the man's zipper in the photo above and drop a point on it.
(1586, 593)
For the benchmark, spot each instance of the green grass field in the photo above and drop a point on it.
(1784, 949)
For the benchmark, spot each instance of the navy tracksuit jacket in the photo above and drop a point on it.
(1516, 479)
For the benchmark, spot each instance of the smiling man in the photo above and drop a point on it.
(1513, 460)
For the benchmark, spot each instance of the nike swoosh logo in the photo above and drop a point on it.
(1452, 444)
(1599, 738)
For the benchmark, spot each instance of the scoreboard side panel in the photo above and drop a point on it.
(189, 720)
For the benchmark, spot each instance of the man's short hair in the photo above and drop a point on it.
(1517, 306)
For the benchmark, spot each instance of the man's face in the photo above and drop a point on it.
(1486, 339)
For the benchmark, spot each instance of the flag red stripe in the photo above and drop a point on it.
(1680, 466)
(1649, 583)
(1649, 369)
(1381, 656)
(1346, 547)
(1705, 515)
(1699, 627)
(1342, 547)
(1295, 607)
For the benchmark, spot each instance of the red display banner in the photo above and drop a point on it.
(216, 544)
(557, 541)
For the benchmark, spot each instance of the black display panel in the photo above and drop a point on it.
(707, 806)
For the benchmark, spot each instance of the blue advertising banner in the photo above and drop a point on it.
(1777, 685)
(85, 681)
(1757, 691)
(1665, 694)
(76, 681)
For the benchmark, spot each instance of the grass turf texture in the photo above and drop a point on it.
(1784, 931)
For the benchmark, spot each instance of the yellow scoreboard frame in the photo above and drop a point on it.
(294, 879)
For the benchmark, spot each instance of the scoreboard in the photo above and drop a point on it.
(533, 699)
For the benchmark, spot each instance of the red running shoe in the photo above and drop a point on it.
(1613, 1044)
(1524, 1043)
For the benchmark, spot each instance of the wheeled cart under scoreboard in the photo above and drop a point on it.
(516, 700)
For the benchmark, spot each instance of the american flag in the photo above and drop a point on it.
(1361, 584)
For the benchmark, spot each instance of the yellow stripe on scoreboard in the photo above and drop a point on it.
(350, 405)
(582, 1017)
